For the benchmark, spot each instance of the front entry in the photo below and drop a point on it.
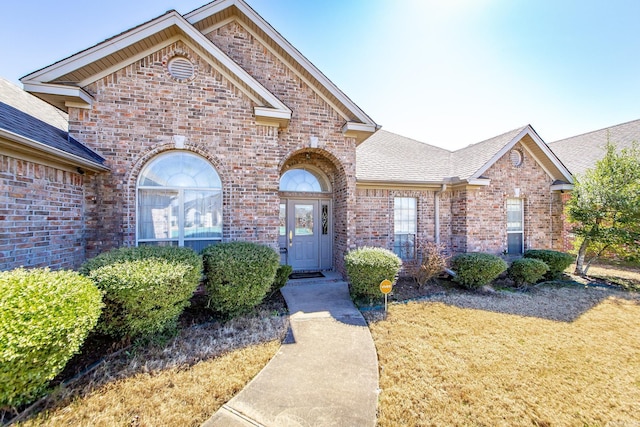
(305, 234)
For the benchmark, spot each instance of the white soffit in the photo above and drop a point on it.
(38, 80)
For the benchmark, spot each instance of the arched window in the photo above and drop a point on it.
(179, 202)
(303, 180)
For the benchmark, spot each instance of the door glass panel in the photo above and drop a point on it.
(283, 219)
(158, 214)
(304, 220)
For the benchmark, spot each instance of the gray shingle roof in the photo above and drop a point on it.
(386, 156)
(581, 152)
(23, 114)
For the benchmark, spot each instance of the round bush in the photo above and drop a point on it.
(475, 270)
(45, 317)
(170, 253)
(367, 267)
(238, 275)
(556, 261)
(143, 297)
(525, 271)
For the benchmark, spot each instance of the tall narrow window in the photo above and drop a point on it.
(179, 202)
(404, 227)
(515, 226)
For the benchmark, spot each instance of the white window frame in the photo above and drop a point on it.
(511, 228)
(405, 226)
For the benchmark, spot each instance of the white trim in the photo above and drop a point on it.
(61, 155)
(137, 34)
(479, 181)
(272, 117)
(528, 130)
(562, 187)
(76, 94)
(215, 7)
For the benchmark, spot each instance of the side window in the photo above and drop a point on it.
(515, 226)
(404, 227)
(179, 202)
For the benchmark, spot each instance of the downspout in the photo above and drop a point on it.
(436, 205)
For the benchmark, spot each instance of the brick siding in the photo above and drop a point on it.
(41, 211)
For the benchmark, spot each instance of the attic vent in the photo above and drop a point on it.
(180, 68)
(516, 158)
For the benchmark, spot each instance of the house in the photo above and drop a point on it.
(211, 127)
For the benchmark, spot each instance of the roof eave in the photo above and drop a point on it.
(30, 146)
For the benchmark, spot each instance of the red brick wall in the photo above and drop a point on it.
(472, 219)
(486, 213)
(139, 108)
(41, 216)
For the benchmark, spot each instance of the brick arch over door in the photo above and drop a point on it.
(342, 185)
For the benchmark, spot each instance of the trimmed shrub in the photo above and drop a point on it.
(238, 275)
(475, 270)
(367, 267)
(282, 276)
(525, 271)
(143, 297)
(170, 253)
(45, 317)
(557, 261)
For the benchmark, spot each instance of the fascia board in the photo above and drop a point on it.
(562, 187)
(500, 153)
(140, 33)
(384, 184)
(63, 156)
(551, 155)
(75, 93)
(206, 11)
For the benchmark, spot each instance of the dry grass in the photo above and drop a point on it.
(625, 277)
(179, 384)
(447, 363)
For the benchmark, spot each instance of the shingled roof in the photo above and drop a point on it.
(29, 123)
(581, 152)
(389, 158)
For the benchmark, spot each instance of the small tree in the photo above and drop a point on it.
(605, 205)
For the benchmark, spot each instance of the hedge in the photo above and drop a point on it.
(238, 275)
(143, 297)
(169, 253)
(525, 271)
(367, 267)
(557, 261)
(45, 317)
(475, 270)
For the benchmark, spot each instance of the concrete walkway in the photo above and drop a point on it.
(325, 373)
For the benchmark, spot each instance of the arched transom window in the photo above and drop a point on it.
(303, 180)
(179, 202)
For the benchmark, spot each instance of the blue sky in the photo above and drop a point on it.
(447, 72)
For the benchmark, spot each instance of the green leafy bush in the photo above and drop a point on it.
(45, 317)
(475, 270)
(170, 253)
(367, 267)
(238, 275)
(143, 297)
(282, 276)
(525, 271)
(557, 261)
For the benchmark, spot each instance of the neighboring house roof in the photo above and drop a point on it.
(387, 158)
(31, 126)
(581, 152)
(61, 83)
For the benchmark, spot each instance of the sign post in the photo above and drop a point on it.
(385, 288)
